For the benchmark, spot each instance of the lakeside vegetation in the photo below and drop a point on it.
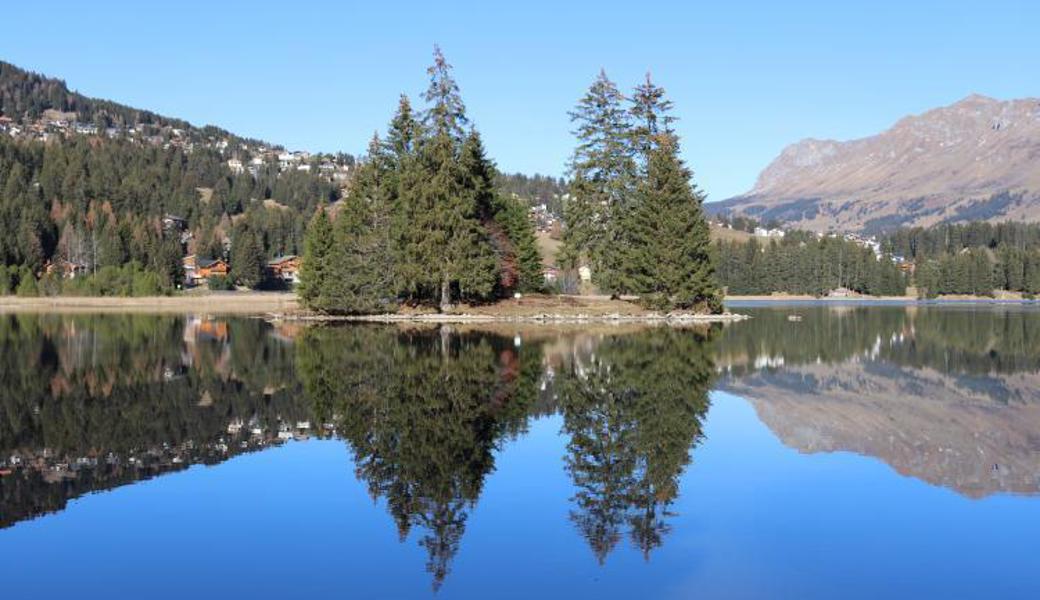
(970, 259)
(426, 223)
(425, 219)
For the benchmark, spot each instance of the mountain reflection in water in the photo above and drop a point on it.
(88, 403)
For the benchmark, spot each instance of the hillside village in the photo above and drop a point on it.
(243, 156)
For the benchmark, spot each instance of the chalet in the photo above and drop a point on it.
(841, 293)
(197, 270)
(285, 268)
(212, 267)
(551, 274)
(585, 273)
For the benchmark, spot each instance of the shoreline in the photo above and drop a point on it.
(677, 319)
(531, 309)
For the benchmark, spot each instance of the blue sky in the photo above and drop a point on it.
(747, 78)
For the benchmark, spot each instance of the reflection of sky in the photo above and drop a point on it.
(755, 519)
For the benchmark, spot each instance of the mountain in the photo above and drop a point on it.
(977, 159)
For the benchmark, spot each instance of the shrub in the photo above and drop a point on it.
(219, 283)
(146, 283)
(27, 284)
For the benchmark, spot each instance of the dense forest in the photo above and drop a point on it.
(85, 186)
(98, 203)
(803, 264)
(972, 258)
(423, 222)
(975, 258)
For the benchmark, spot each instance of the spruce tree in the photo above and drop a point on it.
(602, 172)
(317, 252)
(453, 247)
(506, 220)
(359, 278)
(667, 257)
(650, 117)
(247, 265)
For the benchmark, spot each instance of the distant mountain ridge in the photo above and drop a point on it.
(977, 159)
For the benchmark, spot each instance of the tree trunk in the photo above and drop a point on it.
(445, 294)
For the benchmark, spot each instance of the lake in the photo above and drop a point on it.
(809, 452)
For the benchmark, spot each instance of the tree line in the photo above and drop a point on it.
(423, 222)
(633, 218)
(803, 264)
(974, 258)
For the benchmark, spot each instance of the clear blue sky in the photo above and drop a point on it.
(747, 78)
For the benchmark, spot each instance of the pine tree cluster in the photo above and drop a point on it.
(634, 218)
(423, 223)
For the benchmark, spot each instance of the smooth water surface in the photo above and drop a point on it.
(810, 452)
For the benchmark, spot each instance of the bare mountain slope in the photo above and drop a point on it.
(976, 159)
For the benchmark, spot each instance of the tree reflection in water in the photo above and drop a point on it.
(633, 410)
(424, 412)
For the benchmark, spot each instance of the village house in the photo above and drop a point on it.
(285, 268)
(198, 270)
(235, 166)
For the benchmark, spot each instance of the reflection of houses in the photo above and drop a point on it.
(200, 332)
(285, 268)
(198, 270)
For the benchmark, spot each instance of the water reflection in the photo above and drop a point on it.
(950, 396)
(88, 403)
(424, 412)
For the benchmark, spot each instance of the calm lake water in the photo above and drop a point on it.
(810, 452)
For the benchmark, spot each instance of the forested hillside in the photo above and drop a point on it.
(95, 190)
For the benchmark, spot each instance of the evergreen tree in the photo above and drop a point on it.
(453, 247)
(602, 178)
(650, 117)
(507, 221)
(667, 249)
(314, 271)
(247, 264)
(359, 275)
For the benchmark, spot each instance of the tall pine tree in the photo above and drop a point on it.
(602, 179)
(454, 245)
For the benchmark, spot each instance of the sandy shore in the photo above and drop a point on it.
(236, 303)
